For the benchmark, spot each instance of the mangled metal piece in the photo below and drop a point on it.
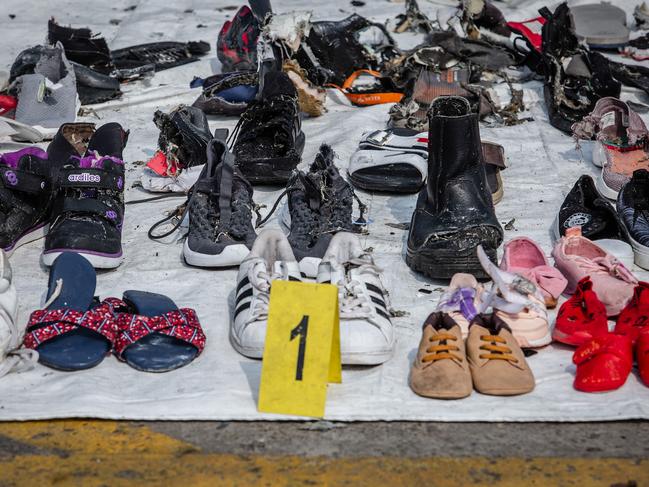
(406, 68)
(162, 55)
(482, 15)
(288, 29)
(82, 46)
(334, 50)
(87, 49)
(506, 113)
(478, 52)
(630, 75)
(641, 15)
(413, 20)
(575, 77)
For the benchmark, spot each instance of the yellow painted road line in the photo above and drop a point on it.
(96, 453)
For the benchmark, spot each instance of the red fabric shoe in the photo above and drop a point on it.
(603, 364)
(582, 317)
(642, 355)
(635, 316)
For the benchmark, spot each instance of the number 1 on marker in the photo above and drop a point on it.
(300, 330)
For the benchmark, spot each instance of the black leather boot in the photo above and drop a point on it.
(454, 212)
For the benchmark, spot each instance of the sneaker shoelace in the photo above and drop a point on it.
(496, 349)
(261, 280)
(360, 221)
(354, 302)
(442, 351)
(16, 359)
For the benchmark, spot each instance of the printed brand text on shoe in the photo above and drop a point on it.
(84, 177)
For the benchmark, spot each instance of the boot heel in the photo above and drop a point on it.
(444, 264)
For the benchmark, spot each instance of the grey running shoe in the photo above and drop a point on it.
(320, 204)
(220, 212)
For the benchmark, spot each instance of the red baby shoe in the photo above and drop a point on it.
(642, 355)
(603, 364)
(582, 317)
(635, 316)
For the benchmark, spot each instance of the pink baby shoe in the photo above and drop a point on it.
(524, 257)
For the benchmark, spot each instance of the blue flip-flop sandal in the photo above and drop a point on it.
(75, 331)
(154, 335)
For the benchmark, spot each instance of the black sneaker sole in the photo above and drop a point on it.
(381, 184)
(266, 173)
(275, 171)
(444, 264)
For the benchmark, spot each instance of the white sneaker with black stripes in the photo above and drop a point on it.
(366, 331)
(270, 259)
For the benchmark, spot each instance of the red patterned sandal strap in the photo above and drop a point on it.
(47, 324)
(182, 324)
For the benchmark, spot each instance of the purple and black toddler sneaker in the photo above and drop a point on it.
(88, 211)
(25, 197)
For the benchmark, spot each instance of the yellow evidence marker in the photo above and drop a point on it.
(302, 349)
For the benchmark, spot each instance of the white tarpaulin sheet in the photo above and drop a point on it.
(221, 384)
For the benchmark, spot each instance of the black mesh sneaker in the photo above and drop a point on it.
(320, 204)
(269, 139)
(220, 212)
(25, 197)
(584, 207)
(88, 211)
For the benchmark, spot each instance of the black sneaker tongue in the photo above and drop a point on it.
(277, 84)
(641, 176)
(108, 140)
(312, 192)
(215, 151)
